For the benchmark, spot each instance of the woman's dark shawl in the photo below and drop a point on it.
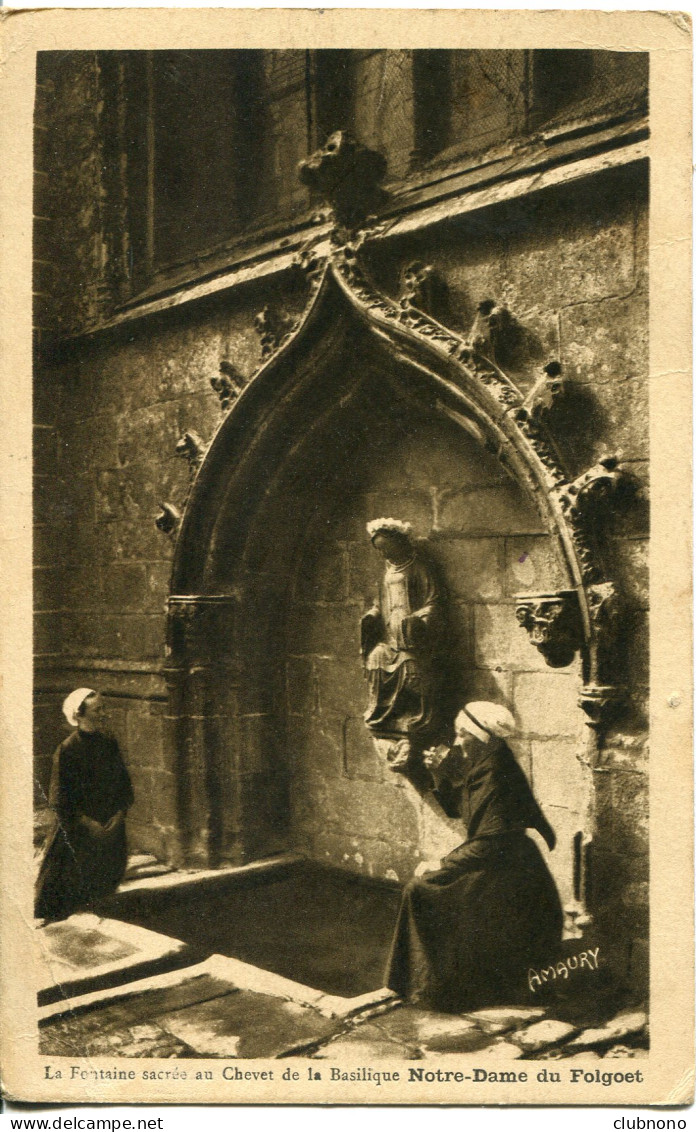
(89, 779)
(467, 934)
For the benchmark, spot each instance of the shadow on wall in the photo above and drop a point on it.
(485, 542)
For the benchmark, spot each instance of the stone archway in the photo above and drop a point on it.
(276, 473)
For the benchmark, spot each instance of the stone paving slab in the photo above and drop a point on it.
(72, 956)
(246, 1024)
(624, 1051)
(627, 1024)
(165, 1022)
(198, 1016)
(427, 1030)
(502, 1050)
(98, 1035)
(541, 1035)
(122, 1022)
(500, 1019)
(245, 976)
(368, 1042)
(223, 1007)
(146, 997)
(590, 1055)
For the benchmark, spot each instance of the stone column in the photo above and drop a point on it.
(202, 677)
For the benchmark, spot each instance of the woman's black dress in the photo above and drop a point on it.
(89, 778)
(467, 934)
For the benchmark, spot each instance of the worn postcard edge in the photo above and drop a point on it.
(669, 1068)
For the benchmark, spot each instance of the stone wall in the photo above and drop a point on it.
(107, 421)
(70, 240)
(487, 539)
(570, 263)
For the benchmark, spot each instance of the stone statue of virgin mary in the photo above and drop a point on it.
(399, 639)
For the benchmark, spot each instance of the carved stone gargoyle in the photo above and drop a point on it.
(553, 623)
(348, 176)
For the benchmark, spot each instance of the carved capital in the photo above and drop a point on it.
(167, 518)
(273, 326)
(200, 626)
(348, 176)
(553, 623)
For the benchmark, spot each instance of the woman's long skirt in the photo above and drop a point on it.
(467, 935)
(78, 870)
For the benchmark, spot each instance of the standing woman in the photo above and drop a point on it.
(470, 926)
(90, 791)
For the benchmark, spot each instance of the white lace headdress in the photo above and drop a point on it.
(396, 525)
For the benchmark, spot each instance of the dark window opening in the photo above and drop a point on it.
(209, 141)
(560, 78)
(206, 111)
(574, 84)
(431, 97)
(333, 86)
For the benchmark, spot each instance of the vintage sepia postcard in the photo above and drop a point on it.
(354, 350)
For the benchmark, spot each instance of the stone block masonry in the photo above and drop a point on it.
(342, 796)
(570, 264)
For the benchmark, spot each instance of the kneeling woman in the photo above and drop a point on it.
(468, 932)
(90, 791)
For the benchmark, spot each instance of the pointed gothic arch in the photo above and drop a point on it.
(350, 338)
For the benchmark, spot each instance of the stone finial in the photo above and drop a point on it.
(167, 519)
(553, 623)
(544, 393)
(490, 327)
(191, 448)
(348, 176)
(228, 384)
(273, 326)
